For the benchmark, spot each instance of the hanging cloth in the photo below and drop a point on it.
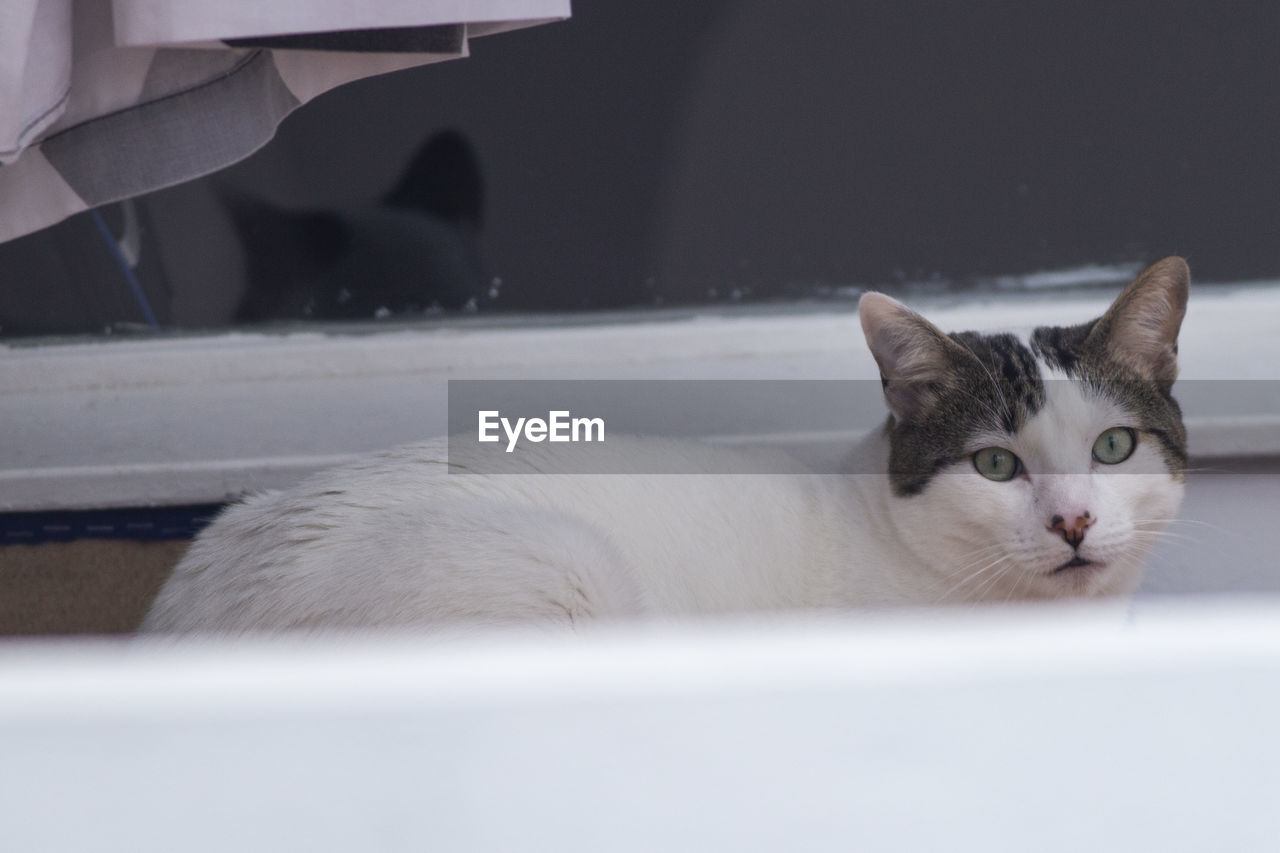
(102, 100)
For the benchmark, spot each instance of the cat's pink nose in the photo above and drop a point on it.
(1072, 533)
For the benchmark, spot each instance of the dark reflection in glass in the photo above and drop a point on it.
(415, 251)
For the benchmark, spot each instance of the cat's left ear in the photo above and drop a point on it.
(1140, 329)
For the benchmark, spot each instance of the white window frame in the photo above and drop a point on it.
(1030, 729)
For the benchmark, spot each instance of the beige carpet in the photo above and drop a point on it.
(90, 586)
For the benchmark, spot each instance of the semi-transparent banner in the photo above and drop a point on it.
(629, 426)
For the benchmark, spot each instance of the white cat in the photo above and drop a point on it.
(1008, 469)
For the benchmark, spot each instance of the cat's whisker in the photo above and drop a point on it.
(994, 580)
(969, 578)
(1153, 539)
(978, 555)
(1133, 550)
(1159, 531)
(1217, 528)
(1148, 536)
(1017, 585)
(1142, 544)
(1157, 526)
(941, 588)
(1189, 521)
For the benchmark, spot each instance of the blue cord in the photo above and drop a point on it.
(135, 286)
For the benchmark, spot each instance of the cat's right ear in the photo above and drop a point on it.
(916, 360)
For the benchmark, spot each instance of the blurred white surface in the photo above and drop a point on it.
(1018, 729)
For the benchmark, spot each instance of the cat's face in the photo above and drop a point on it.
(1035, 468)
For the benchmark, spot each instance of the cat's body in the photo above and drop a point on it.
(1008, 470)
(397, 540)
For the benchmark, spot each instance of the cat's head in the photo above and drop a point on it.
(1037, 467)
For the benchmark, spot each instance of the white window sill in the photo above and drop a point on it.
(203, 419)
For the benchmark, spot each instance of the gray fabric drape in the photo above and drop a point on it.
(106, 99)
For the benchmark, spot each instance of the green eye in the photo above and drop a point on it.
(996, 463)
(1114, 446)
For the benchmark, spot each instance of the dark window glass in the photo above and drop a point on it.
(673, 153)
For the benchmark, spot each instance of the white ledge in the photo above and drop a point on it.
(204, 418)
(1002, 730)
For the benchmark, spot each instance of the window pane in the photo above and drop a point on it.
(711, 154)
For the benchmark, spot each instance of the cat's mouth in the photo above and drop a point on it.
(1076, 562)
